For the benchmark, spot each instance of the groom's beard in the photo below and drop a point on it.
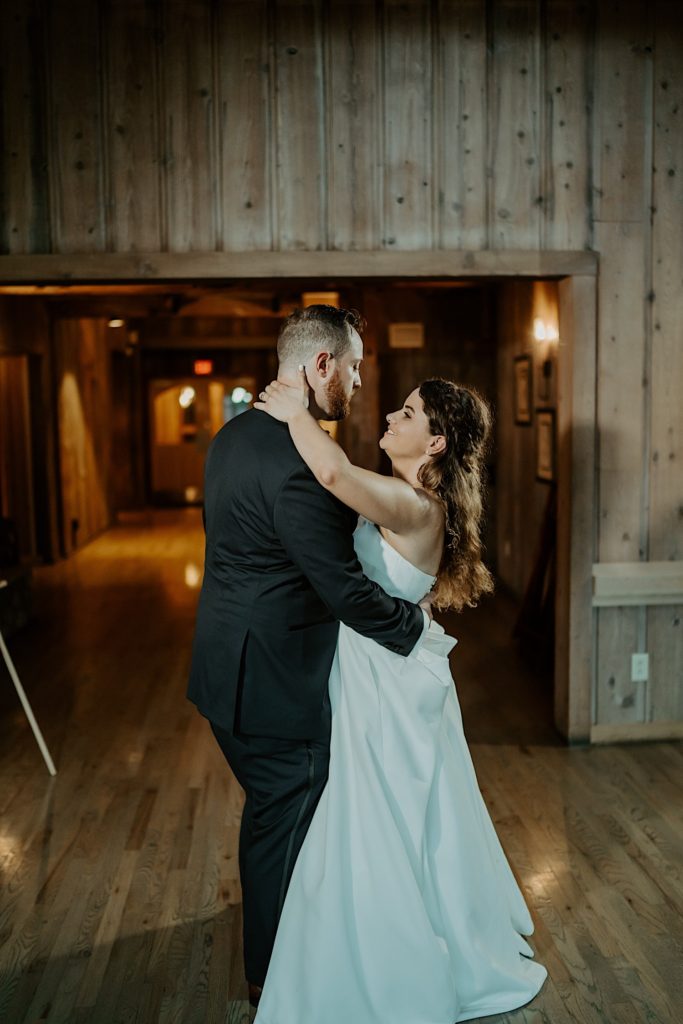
(337, 401)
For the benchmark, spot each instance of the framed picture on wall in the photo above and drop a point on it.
(522, 402)
(545, 445)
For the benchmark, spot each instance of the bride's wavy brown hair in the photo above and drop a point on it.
(455, 477)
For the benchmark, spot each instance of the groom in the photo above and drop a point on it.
(280, 574)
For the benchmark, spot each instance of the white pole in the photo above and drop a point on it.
(25, 702)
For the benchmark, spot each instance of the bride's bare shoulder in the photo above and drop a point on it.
(432, 506)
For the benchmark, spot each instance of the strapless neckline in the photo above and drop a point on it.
(392, 549)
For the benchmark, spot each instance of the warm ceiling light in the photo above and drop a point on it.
(320, 299)
(117, 323)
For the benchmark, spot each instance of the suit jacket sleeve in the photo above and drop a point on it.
(314, 531)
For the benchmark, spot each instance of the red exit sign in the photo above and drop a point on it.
(203, 367)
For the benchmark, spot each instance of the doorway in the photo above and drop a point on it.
(575, 274)
(184, 415)
(16, 455)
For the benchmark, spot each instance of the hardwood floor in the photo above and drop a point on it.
(120, 897)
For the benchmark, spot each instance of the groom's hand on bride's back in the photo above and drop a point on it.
(426, 604)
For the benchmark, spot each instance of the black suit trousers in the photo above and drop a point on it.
(283, 781)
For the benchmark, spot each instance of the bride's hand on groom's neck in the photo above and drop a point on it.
(286, 398)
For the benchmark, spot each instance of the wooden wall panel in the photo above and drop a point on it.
(189, 160)
(300, 126)
(622, 194)
(622, 289)
(25, 329)
(83, 373)
(621, 433)
(515, 125)
(24, 205)
(623, 118)
(459, 111)
(75, 127)
(136, 209)
(16, 467)
(569, 49)
(618, 700)
(408, 181)
(354, 126)
(665, 625)
(244, 73)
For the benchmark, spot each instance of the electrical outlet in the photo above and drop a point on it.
(640, 667)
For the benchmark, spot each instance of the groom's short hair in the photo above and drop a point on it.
(314, 329)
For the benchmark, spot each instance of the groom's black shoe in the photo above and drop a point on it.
(254, 994)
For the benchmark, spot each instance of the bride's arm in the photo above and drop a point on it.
(386, 500)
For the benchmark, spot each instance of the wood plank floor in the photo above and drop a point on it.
(120, 899)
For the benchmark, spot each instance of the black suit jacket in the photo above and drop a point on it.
(280, 573)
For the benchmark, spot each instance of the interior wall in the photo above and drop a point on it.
(16, 464)
(522, 498)
(26, 420)
(458, 124)
(82, 374)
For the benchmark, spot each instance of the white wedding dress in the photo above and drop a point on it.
(402, 908)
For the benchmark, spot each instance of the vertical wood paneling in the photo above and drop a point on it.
(24, 206)
(353, 110)
(620, 393)
(82, 366)
(622, 195)
(16, 468)
(568, 48)
(132, 126)
(75, 125)
(187, 104)
(623, 111)
(516, 143)
(460, 115)
(300, 130)
(665, 625)
(243, 70)
(618, 700)
(408, 185)
(620, 416)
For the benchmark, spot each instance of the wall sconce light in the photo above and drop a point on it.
(115, 322)
(544, 331)
(186, 397)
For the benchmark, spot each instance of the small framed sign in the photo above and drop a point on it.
(522, 396)
(406, 335)
(545, 445)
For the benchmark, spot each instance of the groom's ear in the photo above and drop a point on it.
(322, 363)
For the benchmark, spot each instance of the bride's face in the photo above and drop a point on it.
(407, 435)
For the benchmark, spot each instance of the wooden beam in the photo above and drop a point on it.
(210, 342)
(576, 440)
(616, 584)
(135, 266)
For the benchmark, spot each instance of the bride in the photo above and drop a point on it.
(402, 908)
